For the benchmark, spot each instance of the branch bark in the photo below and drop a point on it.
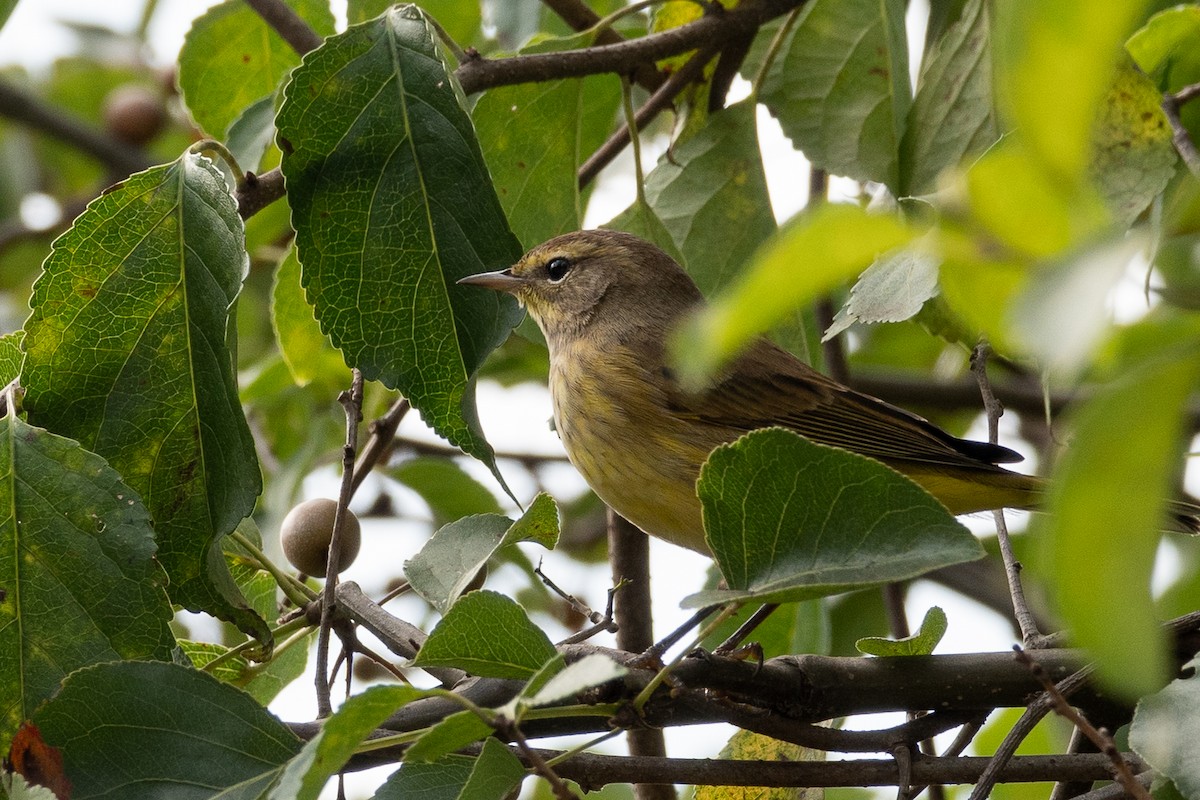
(288, 24)
(120, 158)
(713, 30)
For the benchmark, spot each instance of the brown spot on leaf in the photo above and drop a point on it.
(37, 762)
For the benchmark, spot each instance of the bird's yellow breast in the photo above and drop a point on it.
(639, 458)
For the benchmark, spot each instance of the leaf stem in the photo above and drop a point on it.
(210, 148)
(295, 591)
(234, 652)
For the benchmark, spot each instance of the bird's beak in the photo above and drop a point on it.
(502, 281)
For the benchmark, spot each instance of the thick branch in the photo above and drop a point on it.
(580, 17)
(593, 771)
(713, 30)
(258, 192)
(26, 109)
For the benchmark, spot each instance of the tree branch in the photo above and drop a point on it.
(658, 102)
(288, 24)
(710, 31)
(629, 555)
(20, 106)
(1179, 134)
(580, 17)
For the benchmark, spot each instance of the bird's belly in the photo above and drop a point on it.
(635, 460)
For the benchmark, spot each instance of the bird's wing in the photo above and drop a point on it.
(767, 386)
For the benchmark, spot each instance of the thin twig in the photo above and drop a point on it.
(1034, 712)
(601, 623)
(656, 651)
(746, 628)
(655, 104)
(383, 435)
(1012, 568)
(1116, 791)
(604, 624)
(557, 785)
(1179, 133)
(352, 404)
(20, 106)
(398, 636)
(711, 30)
(1101, 739)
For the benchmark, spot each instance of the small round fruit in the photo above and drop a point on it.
(306, 532)
(134, 113)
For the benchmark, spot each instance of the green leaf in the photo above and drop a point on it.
(125, 352)
(150, 730)
(788, 519)
(1164, 730)
(840, 87)
(1106, 508)
(487, 634)
(642, 220)
(6, 9)
(496, 774)
(591, 670)
(1133, 156)
(1024, 207)
(10, 356)
(806, 259)
(450, 492)
(306, 351)
(461, 19)
(535, 176)
(710, 193)
(252, 133)
(77, 565)
(451, 558)
(231, 59)
(749, 746)
(1165, 49)
(1068, 45)
(892, 289)
(392, 204)
(953, 115)
(452, 733)
(328, 751)
(491, 776)
(441, 780)
(1166, 42)
(921, 643)
(16, 788)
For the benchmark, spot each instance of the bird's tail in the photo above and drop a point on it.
(1185, 517)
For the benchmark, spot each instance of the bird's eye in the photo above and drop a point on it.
(557, 269)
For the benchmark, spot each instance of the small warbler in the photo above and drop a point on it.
(607, 301)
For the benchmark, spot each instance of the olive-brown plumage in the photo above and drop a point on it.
(607, 302)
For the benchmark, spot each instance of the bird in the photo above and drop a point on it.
(607, 302)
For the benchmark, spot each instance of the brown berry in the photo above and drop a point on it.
(305, 535)
(134, 113)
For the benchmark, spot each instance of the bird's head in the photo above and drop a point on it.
(596, 277)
